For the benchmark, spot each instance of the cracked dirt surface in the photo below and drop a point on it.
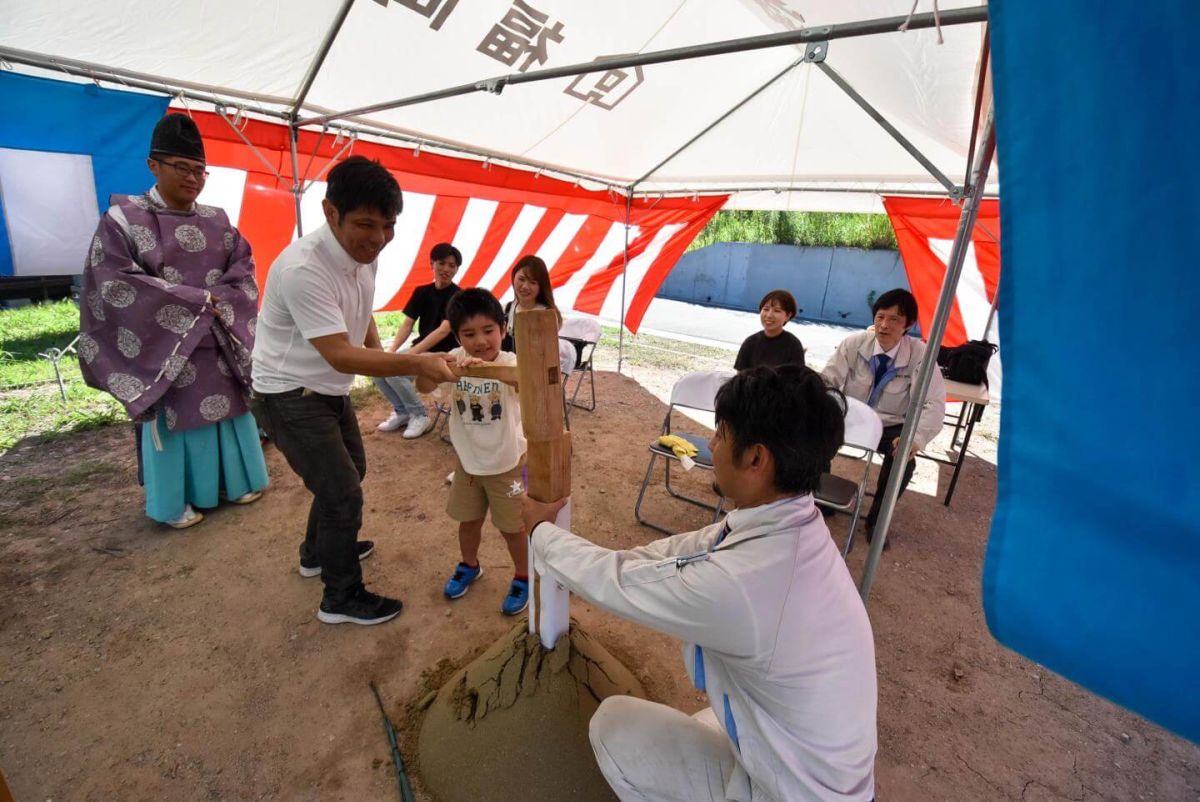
(137, 663)
(517, 705)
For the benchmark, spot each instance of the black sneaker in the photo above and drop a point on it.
(311, 568)
(364, 607)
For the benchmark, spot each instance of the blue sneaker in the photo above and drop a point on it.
(517, 599)
(464, 575)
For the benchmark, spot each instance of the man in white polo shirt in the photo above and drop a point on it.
(315, 333)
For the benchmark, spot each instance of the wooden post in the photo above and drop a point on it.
(539, 381)
(540, 384)
(489, 370)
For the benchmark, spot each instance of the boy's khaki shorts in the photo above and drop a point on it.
(472, 496)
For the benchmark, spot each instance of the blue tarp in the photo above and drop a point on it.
(1093, 567)
(111, 126)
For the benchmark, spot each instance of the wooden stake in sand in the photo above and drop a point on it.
(539, 381)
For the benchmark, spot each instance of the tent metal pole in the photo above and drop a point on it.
(328, 165)
(845, 30)
(297, 187)
(220, 96)
(153, 83)
(624, 272)
(718, 121)
(253, 149)
(992, 313)
(895, 134)
(322, 51)
(139, 80)
(966, 225)
(985, 51)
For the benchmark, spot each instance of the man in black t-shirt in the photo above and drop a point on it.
(426, 309)
(772, 346)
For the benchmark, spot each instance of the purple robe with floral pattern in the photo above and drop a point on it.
(169, 311)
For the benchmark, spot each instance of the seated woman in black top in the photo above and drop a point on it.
(772, 346)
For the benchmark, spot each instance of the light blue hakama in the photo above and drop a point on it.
(200, 466)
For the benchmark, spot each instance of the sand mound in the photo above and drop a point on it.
(513, 723)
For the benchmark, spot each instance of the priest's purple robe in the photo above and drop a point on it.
(169, 312)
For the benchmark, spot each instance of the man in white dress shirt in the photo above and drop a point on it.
(879, 367)
(773, 627)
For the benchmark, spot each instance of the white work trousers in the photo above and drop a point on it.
(653, 753)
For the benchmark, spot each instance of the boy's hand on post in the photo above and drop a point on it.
(465, 361)
(534, 512)
(436, 368)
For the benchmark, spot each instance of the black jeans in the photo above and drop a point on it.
(319, 436)
(890, 433)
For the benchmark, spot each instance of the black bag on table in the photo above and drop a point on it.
(967, 363)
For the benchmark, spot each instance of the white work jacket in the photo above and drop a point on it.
(775, 632)
(849, 370)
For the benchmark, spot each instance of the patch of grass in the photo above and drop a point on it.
(660, 353)
(364, 392)
(826, 229)
(388, 323)
(30, 404)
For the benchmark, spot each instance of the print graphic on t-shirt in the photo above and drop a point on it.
(481, 399)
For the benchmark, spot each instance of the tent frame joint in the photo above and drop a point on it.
(815, 52)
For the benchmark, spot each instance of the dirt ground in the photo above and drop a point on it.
(142, 663)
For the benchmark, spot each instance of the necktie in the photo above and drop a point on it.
(720, 537)
(881, 366)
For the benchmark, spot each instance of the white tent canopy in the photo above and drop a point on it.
(800, 143)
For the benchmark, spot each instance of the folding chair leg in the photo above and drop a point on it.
(591, 371)
(682, 496)
(862, 491)
(637, 508)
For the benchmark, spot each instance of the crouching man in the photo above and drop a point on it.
(775, 633)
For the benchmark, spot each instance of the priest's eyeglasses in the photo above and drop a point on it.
(183, 171)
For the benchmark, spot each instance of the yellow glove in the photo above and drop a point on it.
(681, 448)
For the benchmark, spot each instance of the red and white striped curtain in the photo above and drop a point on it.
(925, 230)
(494, 215)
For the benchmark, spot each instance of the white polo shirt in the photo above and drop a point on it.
(314, 288)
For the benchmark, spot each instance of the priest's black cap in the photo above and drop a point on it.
(177, 135)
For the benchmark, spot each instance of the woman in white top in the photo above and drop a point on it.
(531, 290)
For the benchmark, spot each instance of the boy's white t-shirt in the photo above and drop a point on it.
(485, 421)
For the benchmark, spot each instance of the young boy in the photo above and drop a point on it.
(772, 346)
(426, 309)
(485, 428)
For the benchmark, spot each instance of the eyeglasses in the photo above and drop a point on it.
(183, 171)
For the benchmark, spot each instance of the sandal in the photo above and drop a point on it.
(189, 518)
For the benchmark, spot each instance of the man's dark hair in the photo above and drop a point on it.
(897, 297)
(359, 183)
(785, 300)
(466, 304)
(791, 411)
(443, 250)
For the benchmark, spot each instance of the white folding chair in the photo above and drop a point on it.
(863, 430)
(583, 334)
(697, 391)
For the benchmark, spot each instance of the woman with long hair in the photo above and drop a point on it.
(531, 290)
